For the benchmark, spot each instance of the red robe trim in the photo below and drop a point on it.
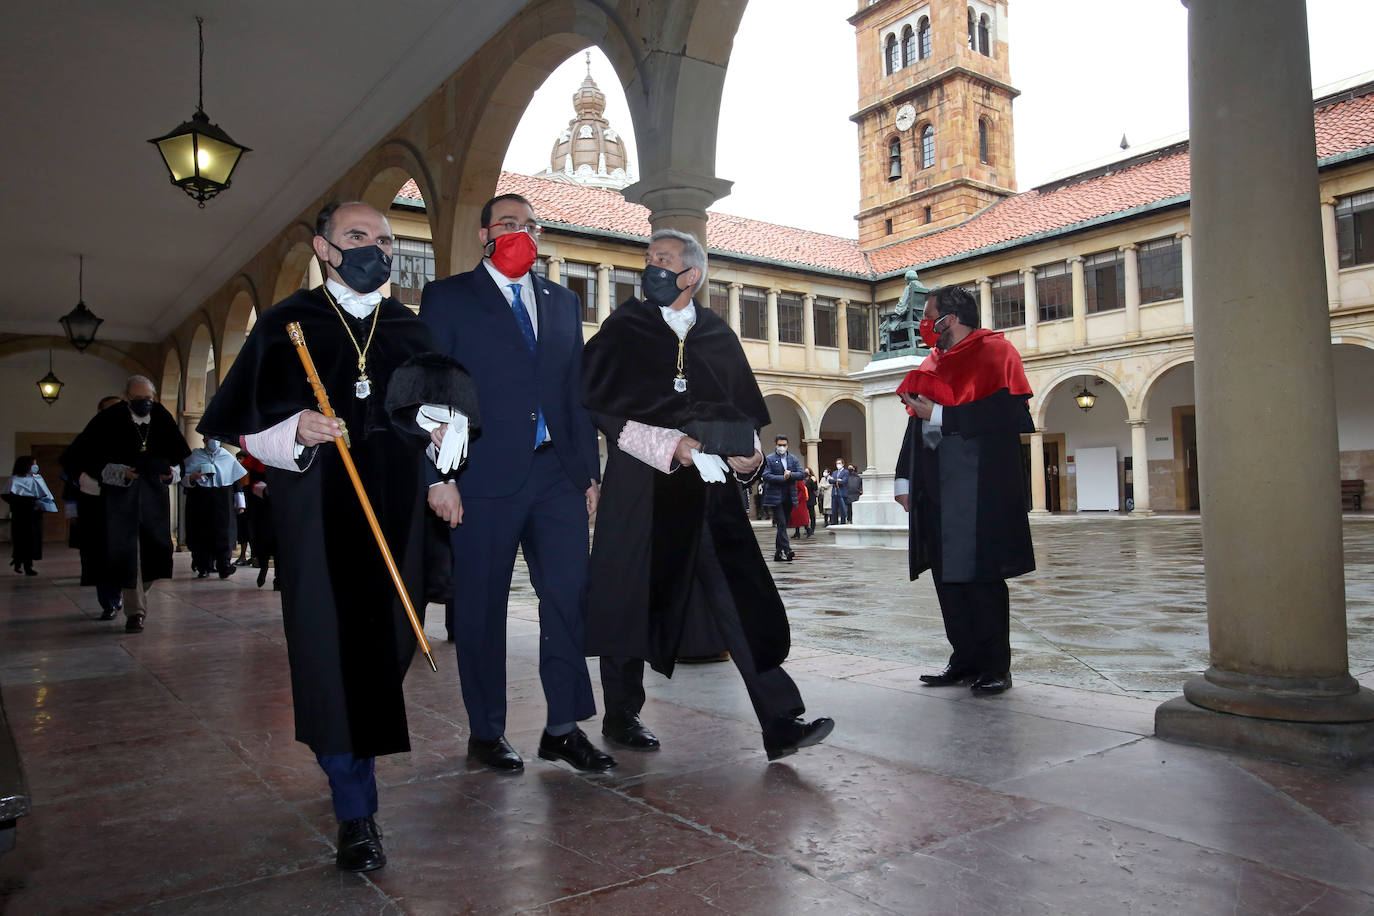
(981, 364)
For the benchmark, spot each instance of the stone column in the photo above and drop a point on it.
(1037, 456)
(870, 440)
(1331, 253)
(1185, 240)
(1129, 255)
(842, 334)
(1278, 684)
(677, 199)
(813, 455)
(603, 292)
(1140, 467)
(312, 271)
(773, 352)
(733, 307)
(1080, 301)
(985, 301)
(809, 329)
(555, 273)
(1032, 308)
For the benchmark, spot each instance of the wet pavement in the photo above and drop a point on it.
(166, 779)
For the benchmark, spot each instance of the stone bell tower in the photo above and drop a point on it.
(935, 114)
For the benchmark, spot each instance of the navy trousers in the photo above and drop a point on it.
(547, 520)
(353, 782)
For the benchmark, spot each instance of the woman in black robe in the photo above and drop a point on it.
(27, 504)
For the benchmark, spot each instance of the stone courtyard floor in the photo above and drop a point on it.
(166, 779)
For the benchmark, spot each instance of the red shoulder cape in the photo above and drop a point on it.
(981, 364)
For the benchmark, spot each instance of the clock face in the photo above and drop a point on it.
(906, 116)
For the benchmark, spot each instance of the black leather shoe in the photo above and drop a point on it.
(202, 573)
(951, 675)
(784, 736)
(988, 684)
(496, 754)
(134, 624)
(109, 613)
(262, 576)
(228, 571)
(628, 732)
(576, 749)
(360, 846)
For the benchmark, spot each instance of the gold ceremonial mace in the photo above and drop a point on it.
(322, 397)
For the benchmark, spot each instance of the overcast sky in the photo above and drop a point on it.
(1088, 72)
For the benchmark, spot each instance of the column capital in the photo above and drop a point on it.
(605, 267)
(1129, 246)
(737, 285)
(808, 298)
(1183, 235)
(815, 441)
(774, 291)
(842, 303)
(983, 280)
(1028, 272)
(1038, 431)
(674, 192)
(1076, 259)
(555, 259)
(1137, 422)
(1328, 201)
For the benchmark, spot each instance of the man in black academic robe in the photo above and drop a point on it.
(959, 475)
(88, 532)
(669, 385)
(349, 642)
(129, 453)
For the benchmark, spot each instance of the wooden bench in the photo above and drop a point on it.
(14, 791)
(1352, 494)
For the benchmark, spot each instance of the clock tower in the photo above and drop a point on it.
(935, 137)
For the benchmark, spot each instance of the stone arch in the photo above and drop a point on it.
(1141, 407)
(295, 257)
(1042, 397)
(104, 351)
(390, 166)
(237, 322)
(200, 357)
(1353, 338)
(169, 384)
(856, 453)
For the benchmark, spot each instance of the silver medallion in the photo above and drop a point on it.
(363, 388)
(679, 384)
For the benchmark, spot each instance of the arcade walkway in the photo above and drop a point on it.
(166, 780)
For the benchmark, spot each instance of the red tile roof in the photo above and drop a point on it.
(1341, 127)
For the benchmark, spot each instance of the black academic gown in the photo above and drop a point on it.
(211, 521)
(349, 642)
(26, 528)
(649, 524)
(138, 517)
(969, 491)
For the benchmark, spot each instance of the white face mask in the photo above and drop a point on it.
(34, 470)
(782, 450)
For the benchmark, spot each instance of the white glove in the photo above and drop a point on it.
(711, 467)
(455, 446)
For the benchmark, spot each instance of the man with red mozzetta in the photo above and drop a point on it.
(959, 476)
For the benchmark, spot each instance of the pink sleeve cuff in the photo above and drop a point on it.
(276, 446)
(653, 445)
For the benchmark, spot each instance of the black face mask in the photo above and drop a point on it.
(363, 269)
(141, 406)
(660, 285)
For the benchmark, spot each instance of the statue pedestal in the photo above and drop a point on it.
(878, 520)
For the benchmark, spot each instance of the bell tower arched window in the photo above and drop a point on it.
(923, 38)
(908, 47)
(927, 146)
(983, 141)
(894, 159)
(972, 30)
(890, 53)
(984, 47)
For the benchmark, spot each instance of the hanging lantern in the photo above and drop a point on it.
(50, 386)
(200, 157)
(80, 323)
(1085, 399)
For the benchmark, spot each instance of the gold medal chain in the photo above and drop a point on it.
(362, 351)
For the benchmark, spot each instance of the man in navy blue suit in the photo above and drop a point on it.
(781, 472)
(531, 481)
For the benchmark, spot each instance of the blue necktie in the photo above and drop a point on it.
(522, 317)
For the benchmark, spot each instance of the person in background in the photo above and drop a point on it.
(826, 486)
(28, 498)
(812, 499)
(213, 502)
(839, 493)
(853, 489)
(88, 532)
(800, 516)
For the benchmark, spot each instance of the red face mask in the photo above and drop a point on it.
(513, 253)
(929, 336)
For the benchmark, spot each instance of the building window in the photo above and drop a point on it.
(1104, 281)
(753, 313)
(719, 299)
(923, 38)
(891, 53)
(1054, 291)
(1008, 300)
(1161, 270)
(412, 266)
(927, 215)
(581, 279)
(983, 141)
(624, 286)
(888, 224)
(927, 146)
(1355, 229)
(790, 318)
(827, 333)
(972, 30)
(541, 267)
(856, 319)
(908, 47)
(983, 44)
(894, 159)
